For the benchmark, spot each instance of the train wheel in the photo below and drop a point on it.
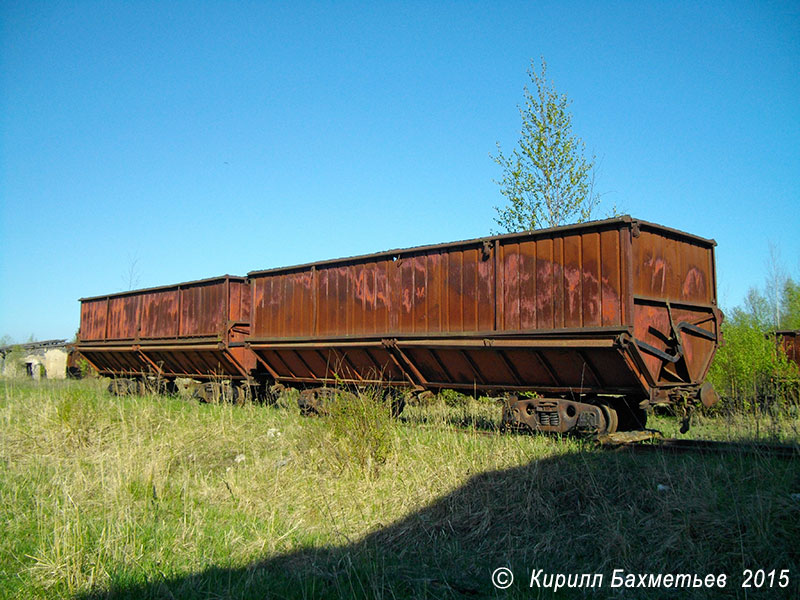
(208, 392)
(272, 393)
(397, 398)
(148, 387)
(235, 393)
(318, 401)
(160, 386)
(612, 421)
(139, 387)
(310, 402)
(398, 405)
(245, 393)
(225, 393)
(197, 394)
(119, 387)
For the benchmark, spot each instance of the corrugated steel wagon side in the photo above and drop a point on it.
(193, 330)
(789, 340)
(599, 319)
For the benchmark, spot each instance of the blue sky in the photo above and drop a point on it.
(189, 140)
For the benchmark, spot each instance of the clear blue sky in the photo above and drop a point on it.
(201, 138)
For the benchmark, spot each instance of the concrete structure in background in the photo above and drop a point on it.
(37, 360)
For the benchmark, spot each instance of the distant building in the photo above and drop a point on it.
(37, 360)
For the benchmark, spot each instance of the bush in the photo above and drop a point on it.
(361, 429)
(750, 365)
(86, 369)
(13, 364)
(454, 398)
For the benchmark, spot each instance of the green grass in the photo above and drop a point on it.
(157, 497)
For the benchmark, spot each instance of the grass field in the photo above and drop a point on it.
(162, 497)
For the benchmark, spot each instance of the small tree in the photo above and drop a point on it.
(748, 360)
(130, 278)
(790, 317)
(547, 180)
(776, 279)
(750, 365)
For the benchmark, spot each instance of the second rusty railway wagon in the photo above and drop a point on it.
(194, 330)
(789, 340)
(600, 319)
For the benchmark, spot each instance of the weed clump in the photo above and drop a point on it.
(361, 429)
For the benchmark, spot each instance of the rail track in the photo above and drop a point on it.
(787, 451)
(651, 441)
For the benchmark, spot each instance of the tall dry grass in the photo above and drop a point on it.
(159, 497)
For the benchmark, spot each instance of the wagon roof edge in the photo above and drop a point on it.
(626, 219)
(162, 288)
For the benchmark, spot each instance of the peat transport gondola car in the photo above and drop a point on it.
(150, 337)
(789, 340)
(580, 327)
(599, 319)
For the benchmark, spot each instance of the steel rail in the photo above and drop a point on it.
(789, 451)
(674, 445)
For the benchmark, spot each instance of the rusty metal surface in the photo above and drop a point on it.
(558, 231)
(192, 329)
(581, 363)
(558, 416)
(196, 308)
(674, 304)
(789, 340)
(617, 306)
(114, 360)
(551, 279)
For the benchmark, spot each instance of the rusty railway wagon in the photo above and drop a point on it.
(600, 320)
(190, 330)
(789, 340)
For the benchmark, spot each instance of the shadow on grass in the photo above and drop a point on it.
(581, 512)
(478, 423)
(478, 416)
